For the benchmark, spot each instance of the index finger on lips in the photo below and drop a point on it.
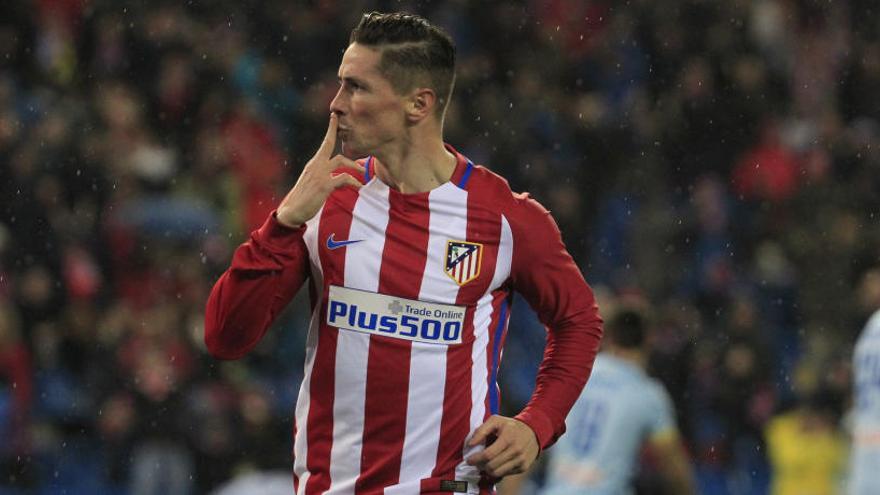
(329, 143)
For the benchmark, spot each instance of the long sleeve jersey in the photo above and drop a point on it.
(410, 297)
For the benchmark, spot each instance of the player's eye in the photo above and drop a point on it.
(351, 86)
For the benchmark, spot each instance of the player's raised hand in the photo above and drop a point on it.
(317, 181)
(513, 451)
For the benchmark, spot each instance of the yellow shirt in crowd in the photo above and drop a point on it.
(807, 454)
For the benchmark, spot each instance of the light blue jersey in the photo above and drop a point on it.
(618, 410)
(865, 459)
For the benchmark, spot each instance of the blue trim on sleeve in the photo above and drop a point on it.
(493, 383)
(466, 175)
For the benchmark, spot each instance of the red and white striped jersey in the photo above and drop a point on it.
(410, 303)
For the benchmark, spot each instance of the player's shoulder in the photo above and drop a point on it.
(655, 392)
(645, 388)
(486, 183)
(870, 335)
(873, 325)
(495, 190)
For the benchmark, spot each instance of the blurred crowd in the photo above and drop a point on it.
(717, 161)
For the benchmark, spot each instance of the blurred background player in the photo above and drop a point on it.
(865, 460)
(620, 412)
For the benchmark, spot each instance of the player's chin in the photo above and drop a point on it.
(352, 151)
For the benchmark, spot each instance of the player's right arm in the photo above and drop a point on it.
(265, 274)
(268, 269)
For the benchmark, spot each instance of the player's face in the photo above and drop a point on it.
(370, 113)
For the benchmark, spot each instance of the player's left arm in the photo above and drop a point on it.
(665, 443)
(545, 274)
(673, 461)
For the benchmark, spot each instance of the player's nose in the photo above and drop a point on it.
(337, 104)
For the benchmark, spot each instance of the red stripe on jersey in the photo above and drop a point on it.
(429, 485)
(483, 227)
(455, 425)
(388, 362)
(335, 219)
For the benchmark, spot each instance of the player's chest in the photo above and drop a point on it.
(442, 249)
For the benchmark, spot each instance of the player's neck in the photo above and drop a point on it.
(416, 165)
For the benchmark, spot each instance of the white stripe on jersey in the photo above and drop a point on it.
(370, 219)
(310, 237)
(302, 403)
(424, 412)
(505, 256)
(481, 355)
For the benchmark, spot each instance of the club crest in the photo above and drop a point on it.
(463, 260)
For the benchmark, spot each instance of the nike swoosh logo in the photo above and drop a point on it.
(334, 244)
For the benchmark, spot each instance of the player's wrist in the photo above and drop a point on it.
(274, 231)
(288, 219)
(541, 426)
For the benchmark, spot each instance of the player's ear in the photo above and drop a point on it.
(421, 104)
